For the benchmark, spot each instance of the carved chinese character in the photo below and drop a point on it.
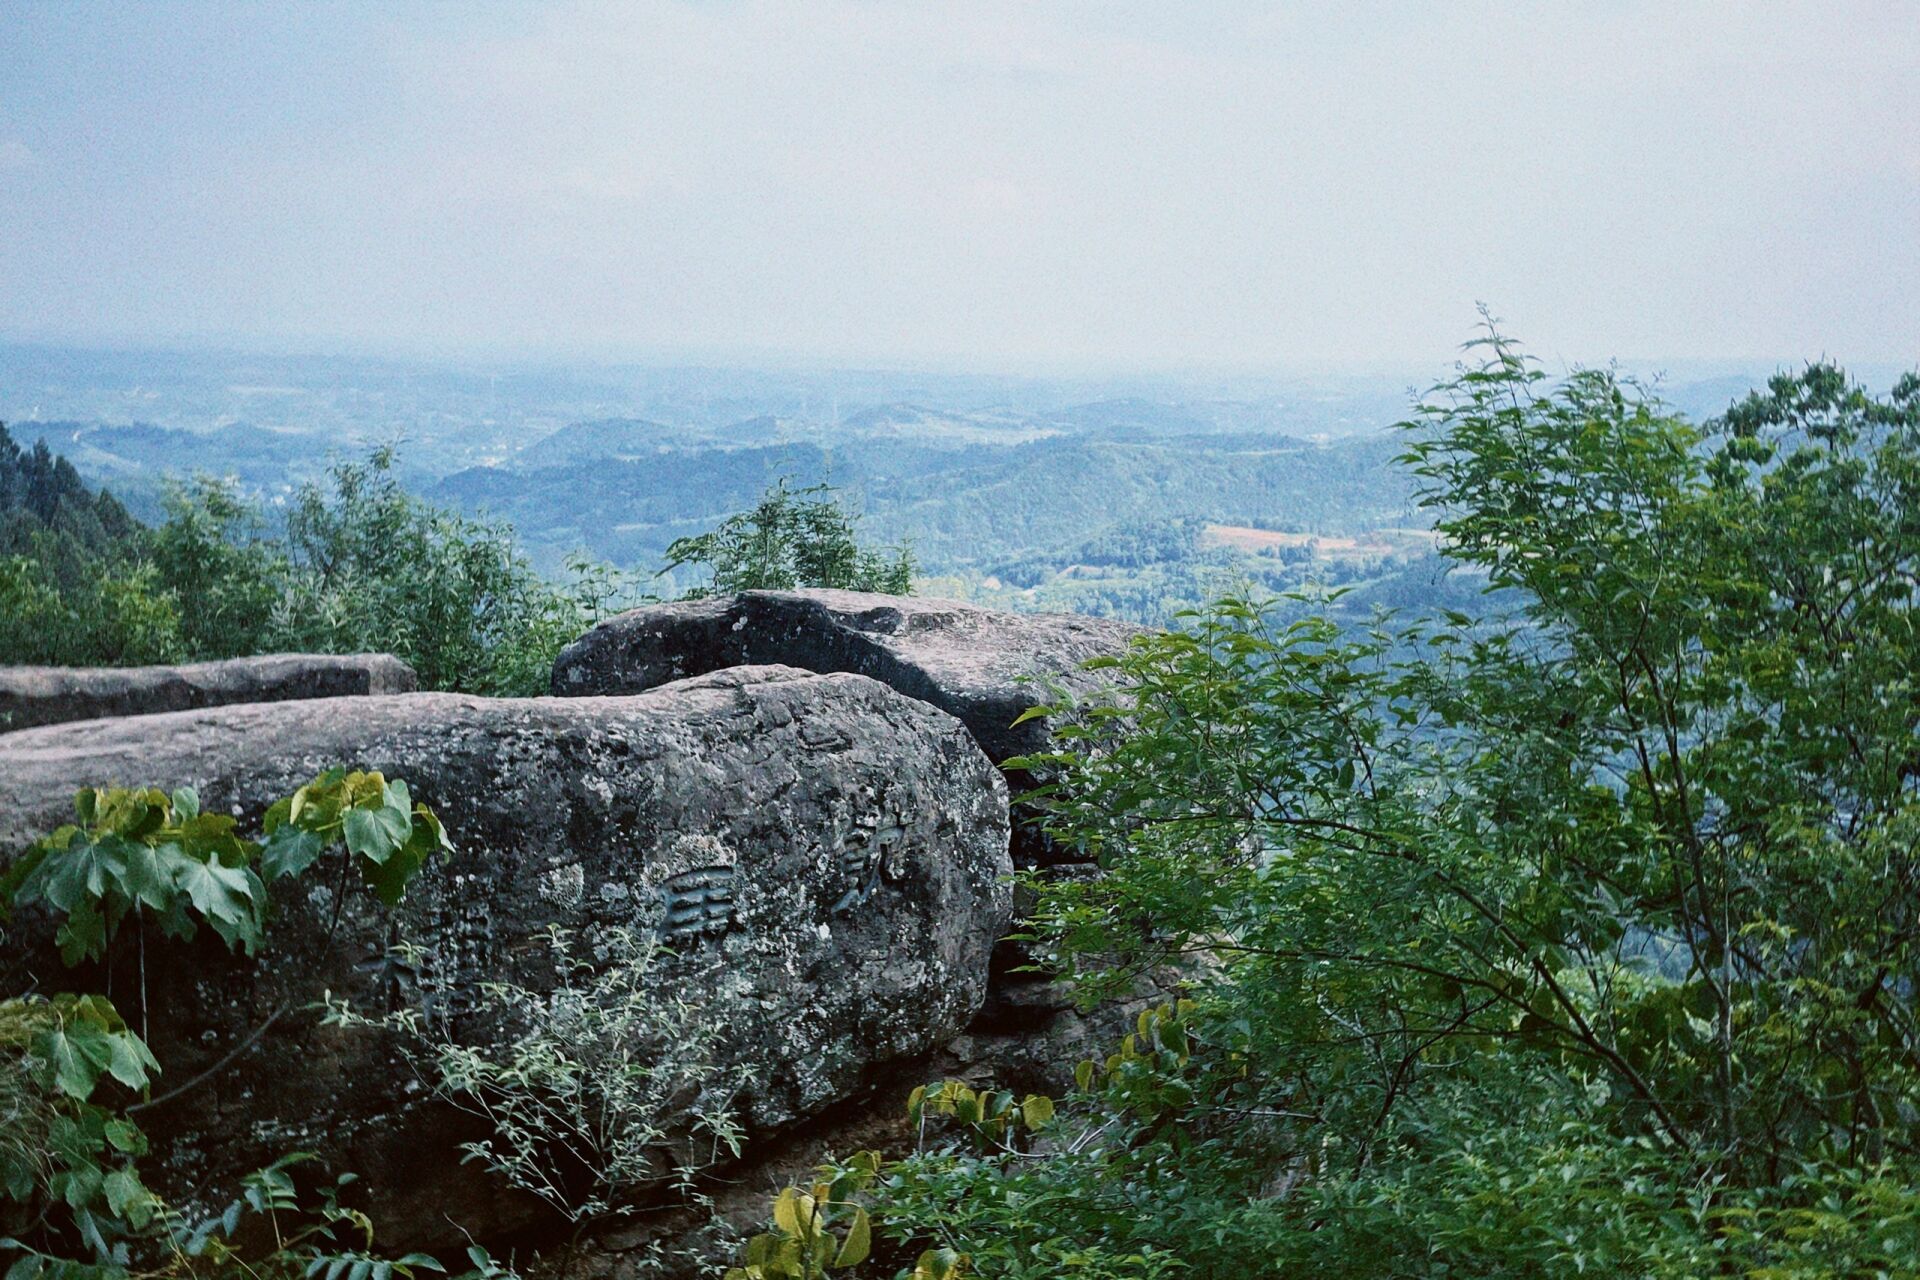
(860, 867)
(698, 904)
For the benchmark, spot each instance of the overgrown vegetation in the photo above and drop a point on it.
(1572, 935)
(1574, 940)
(72, 1202)
(601, 1086)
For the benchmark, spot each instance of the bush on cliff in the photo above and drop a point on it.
(794, 538)
(74, 1072)
(1578, 941)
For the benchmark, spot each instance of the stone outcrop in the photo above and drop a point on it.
(32, 696)
(983, 666)
(837, 850)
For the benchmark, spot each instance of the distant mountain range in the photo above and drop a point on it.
(1083, 493)
(960, 508)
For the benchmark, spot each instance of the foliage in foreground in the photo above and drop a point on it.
(72, 1202)
(1579, 941)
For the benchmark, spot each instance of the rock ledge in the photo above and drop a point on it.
(33, 696)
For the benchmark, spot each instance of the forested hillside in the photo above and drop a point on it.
(42, 498)
(1005, 488)
(974, 515)
(351, 563)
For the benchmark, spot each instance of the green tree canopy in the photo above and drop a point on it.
(1575, 939)
(794, 538)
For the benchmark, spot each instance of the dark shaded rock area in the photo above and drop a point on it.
(983, 666)
(33, 696)
(854, 840)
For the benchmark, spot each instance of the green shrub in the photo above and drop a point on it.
(72, 1203)
(794, 538)
(1577, 939)
(599, 1089)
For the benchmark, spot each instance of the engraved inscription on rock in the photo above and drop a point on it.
(698, 904)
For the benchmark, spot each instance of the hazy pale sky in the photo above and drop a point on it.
(974, 183)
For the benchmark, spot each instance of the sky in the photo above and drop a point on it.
(976, 184)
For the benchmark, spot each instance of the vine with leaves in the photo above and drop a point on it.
(73, 1205)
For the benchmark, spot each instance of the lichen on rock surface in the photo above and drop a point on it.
(839, 851)
(986, 667)
(33, 696)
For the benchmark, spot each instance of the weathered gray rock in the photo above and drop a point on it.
(847, 845)
(983, 666)
(31, 696)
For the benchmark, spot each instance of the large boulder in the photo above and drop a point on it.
(983, 666)
(32, 696)
(836, 851)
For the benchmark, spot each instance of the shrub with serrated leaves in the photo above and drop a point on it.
(1573, 938)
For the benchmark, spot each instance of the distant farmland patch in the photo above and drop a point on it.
(1373, 542)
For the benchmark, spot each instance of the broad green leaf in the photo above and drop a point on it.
(289, 851)
(122, 1190)
(374, 834)
(124, 1135)
(225, 897)
(388, 879)
(77, 1053)
(130, 1061)
(859, 1241)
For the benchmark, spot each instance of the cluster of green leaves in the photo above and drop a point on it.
(1576, 938)
(141, 851)
(992, 1115)
(65, 1147)
(357, 565)
(793, 538)
(820, 1229)
(57, 1145)
(826, 1227)
(76, 1208)
(362, 565)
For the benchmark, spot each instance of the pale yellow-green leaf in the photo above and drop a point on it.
(859, 1241)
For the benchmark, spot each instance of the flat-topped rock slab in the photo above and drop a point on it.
(33, 696)
(985, 667)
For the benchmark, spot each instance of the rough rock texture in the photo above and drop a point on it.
(839, 850)
(983, 666)
(31, 696)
